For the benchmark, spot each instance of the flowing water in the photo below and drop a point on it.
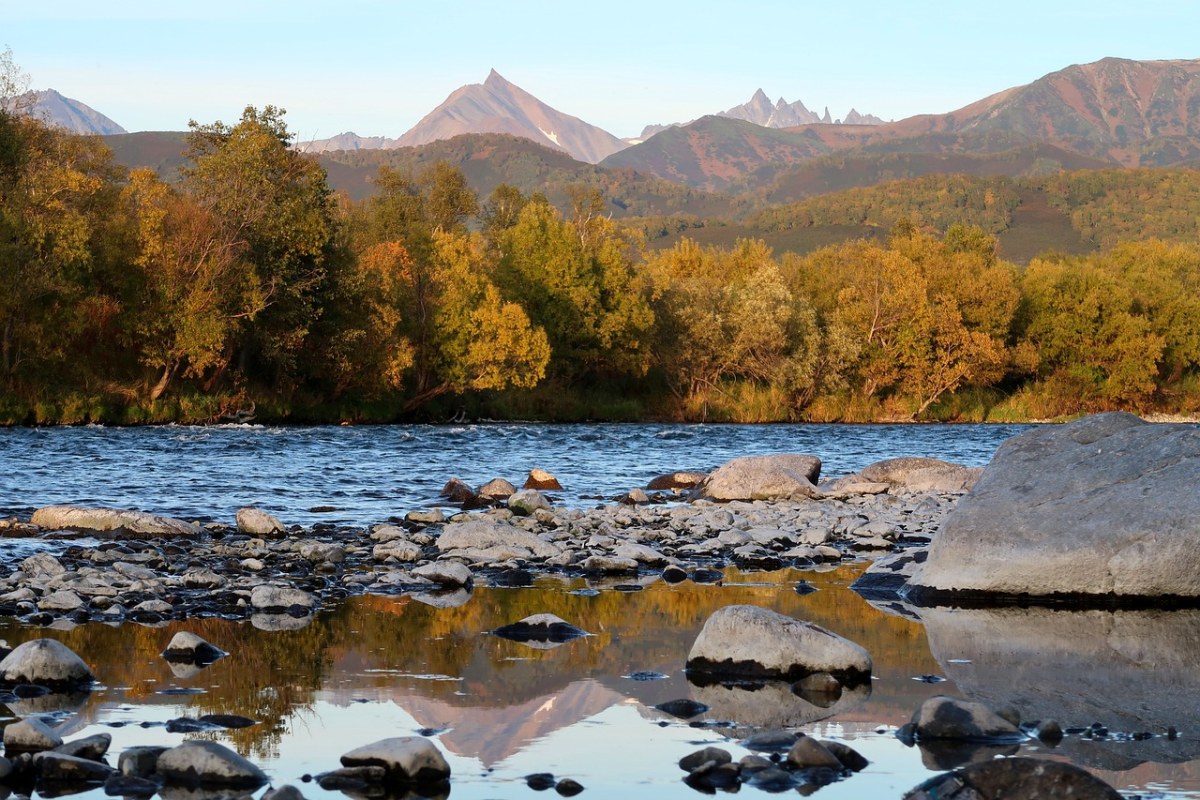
(375, 667)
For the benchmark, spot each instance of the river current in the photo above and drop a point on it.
(367, 474)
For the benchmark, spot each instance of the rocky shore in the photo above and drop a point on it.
(114, 565)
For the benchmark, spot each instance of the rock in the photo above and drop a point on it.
(540, 479)
(265, 597)
(457, 491)
(139, 762)
(568, 787)
(57, 518)
(609, 565)
(889, 575)
(497, 489)
(30, 736)
(772, 741)
(47, 662)
(90, 747)
(1006, 778)
(684, 708)
(807, 753)
(715, 755)
(257, 522)
(188, 648)
(204, 763)
(641, 554)
(527, 501)
(407, 759)
(851, 759)
(285, 792)
(774, 704)
(540, 627)
(1103, 507)
(430, 516)
(947, 718)
(676, 480)
(772, 477)
(743, 641)
(922, 475)
(130, 787)
(482, 534)
(62, 600)
(445, 573)
(635, 497)
(674, 574)
(60, 768)
(42, 565)
(397, 549)
(1050, 732)
(539, 781)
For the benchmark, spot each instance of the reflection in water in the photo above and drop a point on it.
(375, 667)
(1134, 672)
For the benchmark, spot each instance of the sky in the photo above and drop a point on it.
(376, 68)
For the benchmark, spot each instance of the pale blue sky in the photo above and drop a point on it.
(377, 68)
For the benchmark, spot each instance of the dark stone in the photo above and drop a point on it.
(778, 741)
(539, 781)
(646, 675)
(693, 761)
(228, 720)
(540, 628)
(684, 708)
(568, 787)
(1001, 779)
(804, 587)
(1050, 732)
(129, 786)
(773, 780)
(674, 574)
(706, 575)
(513, 578)
(851, 759)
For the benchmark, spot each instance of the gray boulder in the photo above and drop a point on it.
(743, 641)
(187, 647)
(60, 518)
(205, 763)
(60, 768)
(772, 477)
(90, 747)
(676, 480)
(540, 627)
(1007, 778)
(483, 534)
(407, 759)
(921, 475)
(47, 662)
(948, 718)
(527, 501)
(497, 489)
(445, 573)
(30, 736)
(266, 597)
(257, 522)
(1103, 506)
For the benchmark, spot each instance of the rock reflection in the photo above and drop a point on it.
(1133, 671)
(773, 704)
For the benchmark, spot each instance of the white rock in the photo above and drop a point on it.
(30, 736)
(445, 573)
(111, 519)
(412, 759)
(481, 534)
(265, 596)
(45, 661)
(208, 764)
(257, 522)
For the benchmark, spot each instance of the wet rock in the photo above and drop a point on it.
(542, 480)
(275, 623)
(674, 574)
(188, 648)
(90, 747)
(285, 792)
(807, 753)
(396, 550)
(888, 575)
(676, 480)
(609, 565)
(30, 736)
(59, 518)
(1100, 507)
(63, 600)
(540, 627)
(408, 759)
(497, 489)
(1050, 732)
(634, 497)
(46, 662)
(922, 475)
(118, 785)
(432, 516)
(1002, 779)
(772, 741)
(351, 779)
(256, 522)
(445, 573)
(140, 761)
(948, 718)
(684, 708)
(851, 759)
(60, 768)
(714, 755)
(483, 534)
(772, 477)
(205, 763)
(527, 502)
(742, 641)
(268, 598)
(568, 787)
(539, 781)
(458, 491)
(41, 565)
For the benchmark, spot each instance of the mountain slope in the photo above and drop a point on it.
(498, 106)
(68, 114)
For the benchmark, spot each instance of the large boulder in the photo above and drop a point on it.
(256, 522)
(943, 717)
(1105, 506)
(205, 763)
(1006, 778)
(47, 662)
(266, 597)
(483, 534)
(921, 475)
(58, 518)
(407, 759)
(750, 642)
(187, 648)
(772, 477)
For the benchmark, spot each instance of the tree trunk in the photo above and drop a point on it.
(167, 374)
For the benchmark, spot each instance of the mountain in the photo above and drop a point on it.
(780, 114)
(63, 112)
(346, 141)
(1111, 112)
(497, 106)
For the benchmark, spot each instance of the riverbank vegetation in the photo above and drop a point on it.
(249, 288)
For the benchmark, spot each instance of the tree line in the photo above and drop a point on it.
(248, 286)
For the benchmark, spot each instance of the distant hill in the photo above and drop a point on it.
(66, 113)
(1113, 112)
(780, 114)
(498, 106)
(346, 141)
